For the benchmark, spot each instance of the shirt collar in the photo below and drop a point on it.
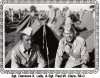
(65, 42)
(22, 50)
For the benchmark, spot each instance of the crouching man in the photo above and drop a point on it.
(26, 55)
(75, 48)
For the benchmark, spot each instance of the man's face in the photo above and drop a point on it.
(68, 35)
(27, 41)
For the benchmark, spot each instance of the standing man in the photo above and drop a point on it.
(75, 48)
(24, 55)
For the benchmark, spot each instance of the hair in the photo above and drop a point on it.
(21, 36)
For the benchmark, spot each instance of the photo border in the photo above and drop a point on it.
(96, 69)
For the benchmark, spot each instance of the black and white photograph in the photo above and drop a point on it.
(49, 36)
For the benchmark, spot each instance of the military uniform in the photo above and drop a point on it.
(21, 58)
(76, 51)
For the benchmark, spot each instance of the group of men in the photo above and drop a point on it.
(71, 46)
(25, 54)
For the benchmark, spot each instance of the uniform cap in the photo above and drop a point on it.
(27, 31)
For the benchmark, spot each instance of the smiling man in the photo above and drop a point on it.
(75, 49)
(26, 55)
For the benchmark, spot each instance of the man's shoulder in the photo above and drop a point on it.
(80, 38)
(62, 41)
(17, 47)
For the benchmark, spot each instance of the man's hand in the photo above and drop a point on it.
(75, 55)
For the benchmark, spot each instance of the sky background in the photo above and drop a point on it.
(73, 7)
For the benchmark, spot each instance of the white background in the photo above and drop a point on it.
(97, 75)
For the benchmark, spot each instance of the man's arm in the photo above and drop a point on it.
(80, 51)
(14, 60)
(59, 55)
(40, 60)
(84, 55)
(79, 48)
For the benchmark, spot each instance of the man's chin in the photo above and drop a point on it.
(29, 47)
(69, 40)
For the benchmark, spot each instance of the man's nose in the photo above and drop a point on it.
(29, 41)
(68, 34)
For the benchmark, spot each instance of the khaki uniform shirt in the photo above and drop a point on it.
(77, 54)
(20, 58)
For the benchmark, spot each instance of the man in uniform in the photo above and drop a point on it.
(25, 55)
(75, 49)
